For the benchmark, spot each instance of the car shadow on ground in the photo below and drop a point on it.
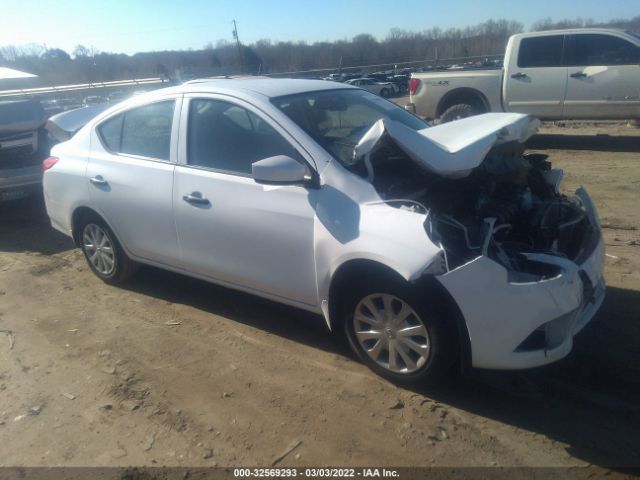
(278, 319)
(25, 227)
(589, 401)
(600, 143)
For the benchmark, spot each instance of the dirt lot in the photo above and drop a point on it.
(173, 371)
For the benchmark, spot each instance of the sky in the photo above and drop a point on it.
(130, 26)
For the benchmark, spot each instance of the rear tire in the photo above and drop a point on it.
(104, 255)
(384, 93)
(457, 112)
(425, 354)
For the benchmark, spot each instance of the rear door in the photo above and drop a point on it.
(130, 177)
(603, 77)
(536, 80)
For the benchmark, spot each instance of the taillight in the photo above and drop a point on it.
(414, 83)
(49, 162)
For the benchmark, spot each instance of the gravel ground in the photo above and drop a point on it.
(169, 370)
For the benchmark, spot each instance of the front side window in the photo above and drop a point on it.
(227, 137)
(588, 49)
(142, 131)
(545, 51)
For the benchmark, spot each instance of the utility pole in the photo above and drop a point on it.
(235, 35)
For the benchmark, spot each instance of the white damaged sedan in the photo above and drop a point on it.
(428, 247)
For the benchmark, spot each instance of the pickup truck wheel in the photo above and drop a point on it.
(384, 93)
(456, 112)
(393, 332)
(103, 253)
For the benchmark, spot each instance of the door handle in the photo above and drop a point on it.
(519, 75)
(98, 180)
(578, 75)
(196, 198)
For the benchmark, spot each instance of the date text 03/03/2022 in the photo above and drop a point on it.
(315, 472)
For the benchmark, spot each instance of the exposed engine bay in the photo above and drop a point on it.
(507, 206)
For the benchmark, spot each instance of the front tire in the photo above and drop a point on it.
(104, 255)
(393, 331)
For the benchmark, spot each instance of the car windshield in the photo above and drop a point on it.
(337, 119)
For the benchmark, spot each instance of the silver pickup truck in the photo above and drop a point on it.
(586, 73)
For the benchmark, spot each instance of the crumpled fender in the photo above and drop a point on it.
(390, 236)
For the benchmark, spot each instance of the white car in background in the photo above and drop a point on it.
(427, 247)
(384, 89)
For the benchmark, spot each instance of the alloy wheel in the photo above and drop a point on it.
(391, 333)
(98, 248)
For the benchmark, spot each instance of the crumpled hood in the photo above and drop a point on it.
(452, 149)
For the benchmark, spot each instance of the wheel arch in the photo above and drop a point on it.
(350, 271)
(466, 95)
(435, 293)
(84, 212)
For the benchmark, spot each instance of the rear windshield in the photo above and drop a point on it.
(337, 119)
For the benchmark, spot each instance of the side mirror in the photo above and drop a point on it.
(279, 170)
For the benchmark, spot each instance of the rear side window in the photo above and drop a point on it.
(111, 131)
(543, 51)
(143, 131)
(585, 49)
(227, 137)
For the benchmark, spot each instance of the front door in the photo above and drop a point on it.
(230, 228)
(535, 79)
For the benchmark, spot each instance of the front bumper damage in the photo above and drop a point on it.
(514, 325)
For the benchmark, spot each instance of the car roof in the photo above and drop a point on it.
(247, 87)
(268, 87)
